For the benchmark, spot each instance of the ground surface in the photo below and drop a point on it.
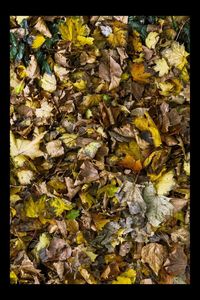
(100, 162)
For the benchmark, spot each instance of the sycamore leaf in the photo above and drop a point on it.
(158, 207)
(161, 67)
(138, 73)
(127, 277)
(38, 41)
(176, 55)
(145, 123)
(154, 255)
(60, 205)
(165, 183)
(48, 82)
(26, 147)
(152, 39)
(25, 176)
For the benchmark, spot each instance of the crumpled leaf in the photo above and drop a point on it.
(165, 183)
(145, 123)
(87, 276)
(176, 262)
(138, 73)
(152, 39)
(158, 207)
(176, 55)
(154, 254)
(87, 174)
(42, 27)
(115, 74)
(48, 82)
(26, 147)
(161, 67)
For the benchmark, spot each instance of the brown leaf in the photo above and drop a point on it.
(176, 262)
(137, 90)
(62, 227)
(42, 27)
(59, 266)
(115, 74)
(72, 190)
(104, 72)
(154, 254)
(58, 250)
(87, 174)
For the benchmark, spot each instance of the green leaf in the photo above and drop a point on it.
(73, 214)
(20, 52)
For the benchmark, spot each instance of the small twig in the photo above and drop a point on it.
(181, 29)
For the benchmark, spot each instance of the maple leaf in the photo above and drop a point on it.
(74, 30)
(176, 55)
(138, 73)
(48, 82)
(118, 37)
(26, 147)
(161, 67)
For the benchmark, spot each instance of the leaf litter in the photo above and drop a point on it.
(100, 150)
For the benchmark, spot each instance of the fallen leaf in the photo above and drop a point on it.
(161, 67)
(45, 111)
(42, 27)
(154, 255)
(127, 277)
(138, 73)
(176, 262)
(152, 39)
(60, 205)
(48, 82)
(176, 55)
(87, 174)
(38, 41)
(165, 183)
(55, 148)
(115, 74)
(158, 207)
(25, 176)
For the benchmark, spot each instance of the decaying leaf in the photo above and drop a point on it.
(138, 73)
(176, 262)
(154, 255)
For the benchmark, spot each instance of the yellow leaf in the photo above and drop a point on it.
(60, 205)
(79, 238)
(99, 221)
(74, 30)
(146, 123)
(48, 82)
(22, 71)
(138, 73)
(118, 38)
(19, 19)
(176, 55)
(38, 41)
(87, 276)
(154, 177)
(151, 40)
(13, 278)
(166, 88)
(69, 139)
(186, 167)
(43, 242)
(165, 183)
(127, 277)
(161, 67)
(90, 254)
(86, 198)
(80, 85)
(184, 75)
(34, 209)
(137, 44)
(26, 147)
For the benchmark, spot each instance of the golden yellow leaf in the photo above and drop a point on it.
(86, 198)
(118, 38)
(161, 67)
(34, 209)
(152, 39)
(166, 88)
(43, 242)
(80, 238)
(99, 221)
(87, 276)
(138, 73)
(127, 277)
(38, 41)
(137, 44)
(13, 278)
(145, 123)
(74, 30)
(130, 163)
(80, 85)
